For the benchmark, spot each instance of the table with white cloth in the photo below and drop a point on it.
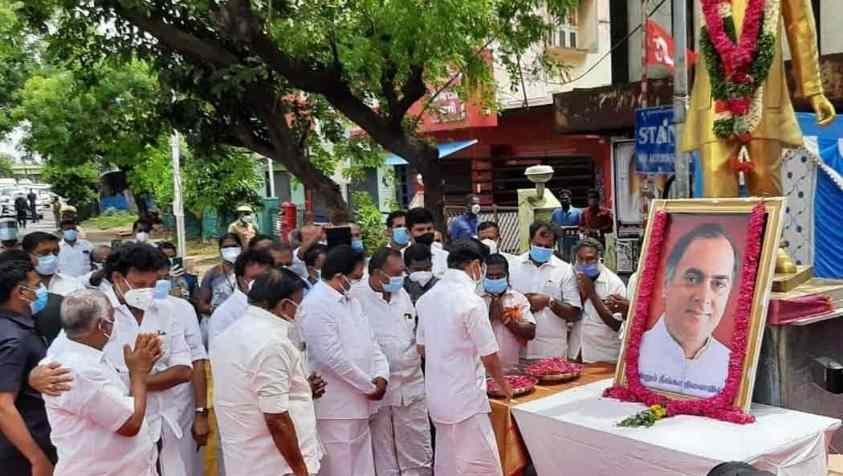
(575, 433)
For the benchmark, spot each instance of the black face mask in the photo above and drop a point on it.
(426, 239)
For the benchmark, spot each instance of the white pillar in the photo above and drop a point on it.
(178, 204)
(270, 168)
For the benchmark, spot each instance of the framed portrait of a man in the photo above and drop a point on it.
(696, 321)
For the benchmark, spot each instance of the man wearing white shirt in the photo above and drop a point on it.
(420, 224)
(456, 339)
(489, 234)
(551, 287)
(342, 348)
(98, 426)
(600, 323)
(396, 230)
(400, 428)
(509, 312)
(74, 252)
(249, 265)
(265, 411)
(45, 248)
(131, 273)
(680, 354)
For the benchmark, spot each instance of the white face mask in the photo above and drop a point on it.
(437, 245)
(141, 236)
(492, 244)
(140, 298)
(475, 209)
(230, 254)
(421, 277)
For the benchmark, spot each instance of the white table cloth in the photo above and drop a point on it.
(575, 433)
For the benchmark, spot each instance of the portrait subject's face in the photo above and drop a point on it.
(696, 297)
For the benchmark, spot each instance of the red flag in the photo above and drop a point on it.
(660, 48)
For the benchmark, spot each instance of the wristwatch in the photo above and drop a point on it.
(202, 411)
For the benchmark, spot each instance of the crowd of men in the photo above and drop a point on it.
(323, 358)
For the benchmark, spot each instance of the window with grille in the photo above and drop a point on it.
(565, 35)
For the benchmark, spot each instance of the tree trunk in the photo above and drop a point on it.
(425, 160)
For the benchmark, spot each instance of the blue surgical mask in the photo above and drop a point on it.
(394, 285)
(70, 235)
(495, 286)
(47, 265)
(539, 254)
(357, 245)
(401, 236)
(162, 289)
(590, 270)
(41, 297)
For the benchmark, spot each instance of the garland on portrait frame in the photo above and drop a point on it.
(720, 406)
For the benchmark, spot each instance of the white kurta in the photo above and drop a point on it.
(341, 347)
(440, 261)
(455, 331)
(163, 407)
(599, 342)
(63, 284)
(227, 313)
(511, 346)
(85, 419)
(556, 279)
(263, 373)
(400, 429)
(662, 364)
(75, 259)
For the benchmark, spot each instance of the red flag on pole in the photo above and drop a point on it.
(660, 48)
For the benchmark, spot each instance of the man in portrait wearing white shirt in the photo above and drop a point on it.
(341, 347)
(600, 324)
(74, 252)
(456, 338)
(509, 312)
(265, 409)
(400, 428)
(98, 425)
(420, 224)
(249, 265)
(551, 287)
(680, 354)
(396, 231)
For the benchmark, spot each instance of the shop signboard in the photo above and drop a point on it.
(655, 141)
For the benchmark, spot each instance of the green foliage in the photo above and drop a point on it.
(108, 221)
(370, 219)
(77, 184)
(6, 165)
(219, 178)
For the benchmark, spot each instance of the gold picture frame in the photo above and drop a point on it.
(774, 208)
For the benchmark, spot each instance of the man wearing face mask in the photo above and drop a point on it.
(219, 282)
(465, 226)
(25, 446)
(265, 409)
(142, 230)
(420, 224)
(244, 227)
(599, 327)
(74, 252)
(456, 339)
(342, 348)
(396, 230)
(98, 425)
(131, 274)
(551, 287)
(247, 267)
(44, 247)
(509, 312)
(420, 278)
(400, 428)
(311, 235)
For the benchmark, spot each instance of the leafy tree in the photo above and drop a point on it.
(17, 52)
(371, 60)
(77, 184)
(370, 219)
(6, 163)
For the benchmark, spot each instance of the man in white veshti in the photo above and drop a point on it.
(679, 354)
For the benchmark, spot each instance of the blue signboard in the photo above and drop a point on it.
(655, 141)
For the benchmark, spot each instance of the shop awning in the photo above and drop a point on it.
(445, 150)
